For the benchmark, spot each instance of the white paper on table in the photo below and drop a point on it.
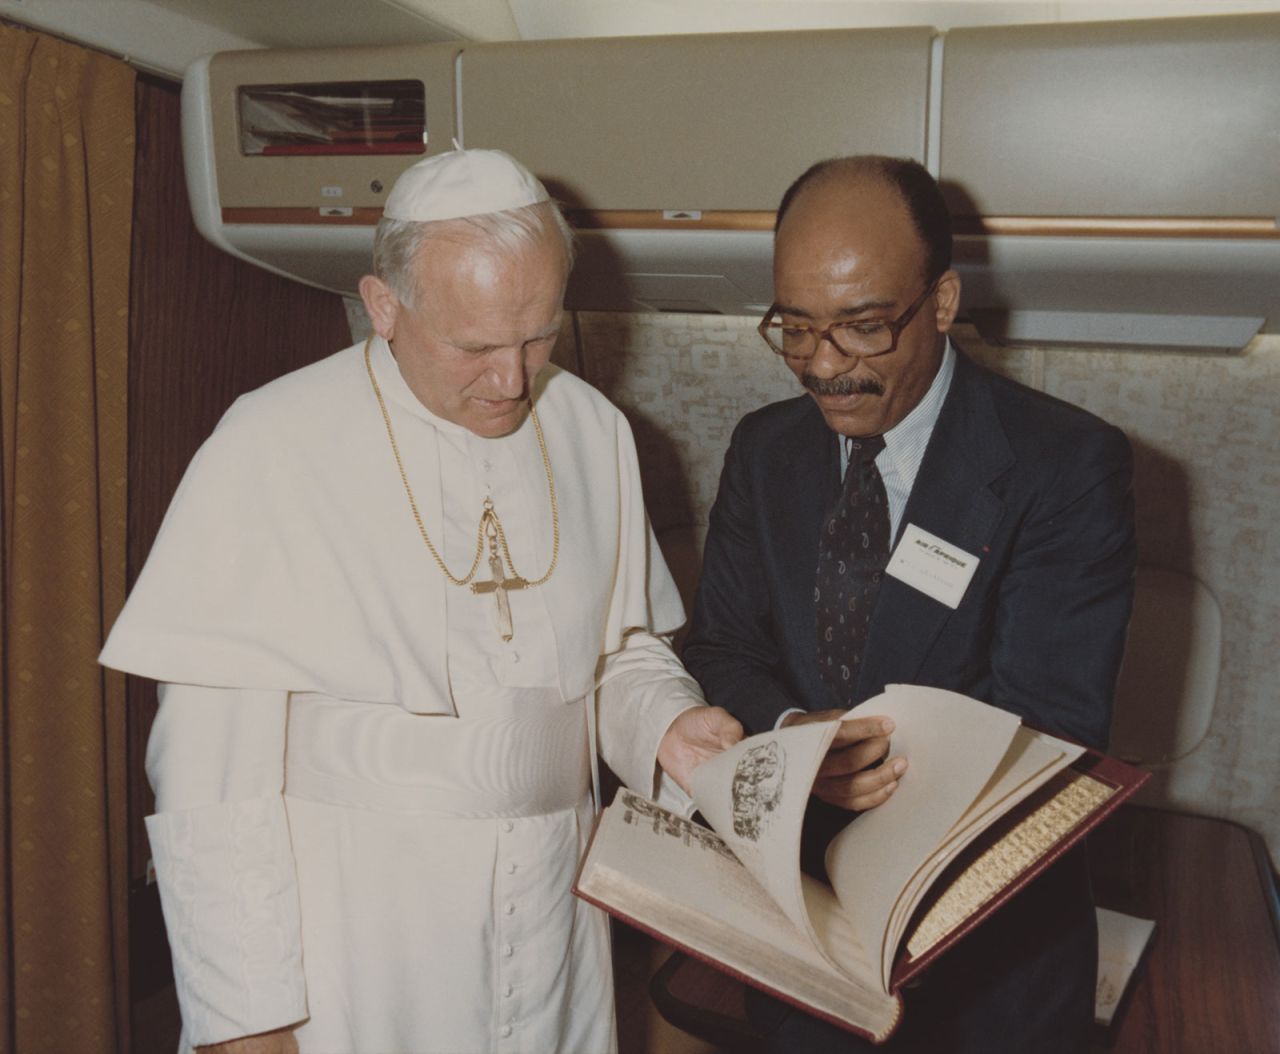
(1121, 940)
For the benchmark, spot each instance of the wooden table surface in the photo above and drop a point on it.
(1210, 980)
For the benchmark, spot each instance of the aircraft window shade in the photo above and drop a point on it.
(332, 119)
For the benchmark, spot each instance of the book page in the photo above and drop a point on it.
(838, 939)
(754, 795)
(680, 881)
(1029, 755)
(1031, 759)
(953, 745)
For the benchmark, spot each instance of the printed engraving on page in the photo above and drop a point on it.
(640, 812)
(757, 789)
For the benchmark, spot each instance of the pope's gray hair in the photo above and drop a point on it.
(397, 243)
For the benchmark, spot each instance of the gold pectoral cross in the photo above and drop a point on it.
(499, 585)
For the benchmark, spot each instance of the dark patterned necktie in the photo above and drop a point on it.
(852, 554)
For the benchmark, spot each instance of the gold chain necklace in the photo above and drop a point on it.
(490, 527)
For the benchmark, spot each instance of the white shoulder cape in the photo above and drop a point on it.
(290, 560)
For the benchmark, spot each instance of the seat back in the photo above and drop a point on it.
(1169, 679)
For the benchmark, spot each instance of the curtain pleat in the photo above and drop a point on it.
(66, 175)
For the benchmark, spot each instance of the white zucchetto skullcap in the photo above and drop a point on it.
(462, 183)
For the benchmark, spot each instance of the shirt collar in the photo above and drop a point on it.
(905, 442)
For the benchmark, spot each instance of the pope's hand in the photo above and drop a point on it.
(844, 778)
(281, 1041)
(694, 736)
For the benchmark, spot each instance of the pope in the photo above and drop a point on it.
(401, 601)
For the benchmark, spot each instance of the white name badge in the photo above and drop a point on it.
(937, 568)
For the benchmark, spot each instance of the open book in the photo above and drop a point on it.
(985, 805)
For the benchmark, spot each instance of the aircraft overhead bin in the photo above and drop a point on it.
(1114, 183)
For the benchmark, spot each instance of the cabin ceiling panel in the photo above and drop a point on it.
(561, 19)
(168, 35)
(314, 23)
(469, 19)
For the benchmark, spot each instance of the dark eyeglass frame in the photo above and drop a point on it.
(895, 327)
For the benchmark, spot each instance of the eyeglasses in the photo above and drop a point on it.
(856, 340)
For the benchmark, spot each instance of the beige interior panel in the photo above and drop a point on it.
(1176, 117)
(323, 181)
(720, 122)
(1172, 661)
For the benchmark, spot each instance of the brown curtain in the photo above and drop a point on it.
(66, 174)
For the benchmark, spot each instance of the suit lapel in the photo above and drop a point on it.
(804, 479)
(952, 499)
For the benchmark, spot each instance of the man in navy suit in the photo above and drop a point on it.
(1024, 505)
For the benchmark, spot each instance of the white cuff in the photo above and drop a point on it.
(672, 797)
(783, 716)
(230, 903)
(643, 688)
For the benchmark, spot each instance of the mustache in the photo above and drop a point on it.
(842, 385)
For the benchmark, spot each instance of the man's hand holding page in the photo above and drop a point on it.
(845, 778)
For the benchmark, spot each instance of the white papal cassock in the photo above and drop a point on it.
(369, 806)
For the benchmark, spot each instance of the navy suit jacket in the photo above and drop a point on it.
(1038, 489)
